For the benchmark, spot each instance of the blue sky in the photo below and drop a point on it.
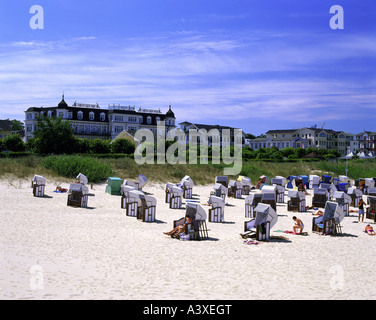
(255, 65)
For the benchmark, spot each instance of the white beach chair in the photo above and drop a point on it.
(297, 201)
(38, 183)
(78, 195)
(251, 203)
(216, 213)
(260, 227)
(344, 200)
(82, 179)
(125, 195)
(219, 190)
(314, 181)
(329, 222)
(235, 189)
(187, 185)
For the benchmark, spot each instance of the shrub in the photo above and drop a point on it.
(123, 146)
(70, 166)
(14, 143)
(99, 146)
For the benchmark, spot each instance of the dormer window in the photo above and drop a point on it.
(103, 116)
(91, 116)
(80, 115)
(148, 120)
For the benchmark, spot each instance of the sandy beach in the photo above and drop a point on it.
(100, 253)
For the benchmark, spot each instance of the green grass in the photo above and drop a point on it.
(98, 170)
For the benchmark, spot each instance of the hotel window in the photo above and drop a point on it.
(80, 115)
(119, 118)
(140, 120)
(132, 119)
(158, 119)
(148, 120)
(29, 116)
(103, 116)
(91, 116)
(49, 114)
(70, 115)
(61, 114)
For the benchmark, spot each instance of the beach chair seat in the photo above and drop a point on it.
(320, 197)
(216, 212)
(77, 195)
(246, 185)
(197, 230)
(297, 201)
(356, 195)
(219, 190)
(125, 196)
(344, 200)
(187, 185)
(38, 183)
(371, 210)
(329, 222)
(264, 221)
(314, 181)
(235, 189)
(251, 203)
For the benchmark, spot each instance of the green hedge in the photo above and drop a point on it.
(70, 166)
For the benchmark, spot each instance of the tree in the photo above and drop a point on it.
(53, 135)
(14, 143)
(17, 125)
(123, 146)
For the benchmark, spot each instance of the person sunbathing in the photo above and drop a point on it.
(60, 189)
(318, 213)
(180, 229)
(369, 230)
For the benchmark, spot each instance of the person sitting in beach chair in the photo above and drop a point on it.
(182, 228)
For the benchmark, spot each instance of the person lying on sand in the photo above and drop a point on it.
(318, 213)
(60, 189)
(369, 230)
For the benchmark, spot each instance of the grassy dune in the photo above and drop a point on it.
(64, 168)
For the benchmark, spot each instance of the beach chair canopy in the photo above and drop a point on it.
(341, 197)
(304, 178)
(222, 180)
(369, 182)
(82, 179)
(277, 181)
(176, 191)
(264, 212)
(269, 189)
(333, 211)
(372, 200)
(296, 194)
(77, 187)
(282, 178)
(326, 178)
(142, 180)
(219, 189)
(291, 178)
(113, 181)
(326, 186)
(135, 196)
(269, 196)
(344, 179)
(253, 199)
(187, 182)
(314, 179)
(372, 190)
(320, 191)
(39, 179)
(357, 192)
(196, 211)
(125, 189)
(150, 201)
(244, 180)
(216, 202)
(129, 183)
(236, 184)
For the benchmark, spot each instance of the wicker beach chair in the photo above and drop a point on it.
(246, 185)
(216, 212)
(251, 203)
(329, 222)
(141, 206)
(280, 192)
(344, 200)
(314, 181)
(290, 180)
(222, 180)
(138, 184)
(78, 195)
(38, 183)
(125, 195)
(320, 197)
(235, 189)
(371, 210)
(297, 201)
(219, 190)
(355, 194)
(176, 197)
(371, 192)
(187, 185)
(197, 230)
(269, 196)
(263, 180)
(260, 227)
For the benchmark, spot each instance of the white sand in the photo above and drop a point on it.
(100, 253)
